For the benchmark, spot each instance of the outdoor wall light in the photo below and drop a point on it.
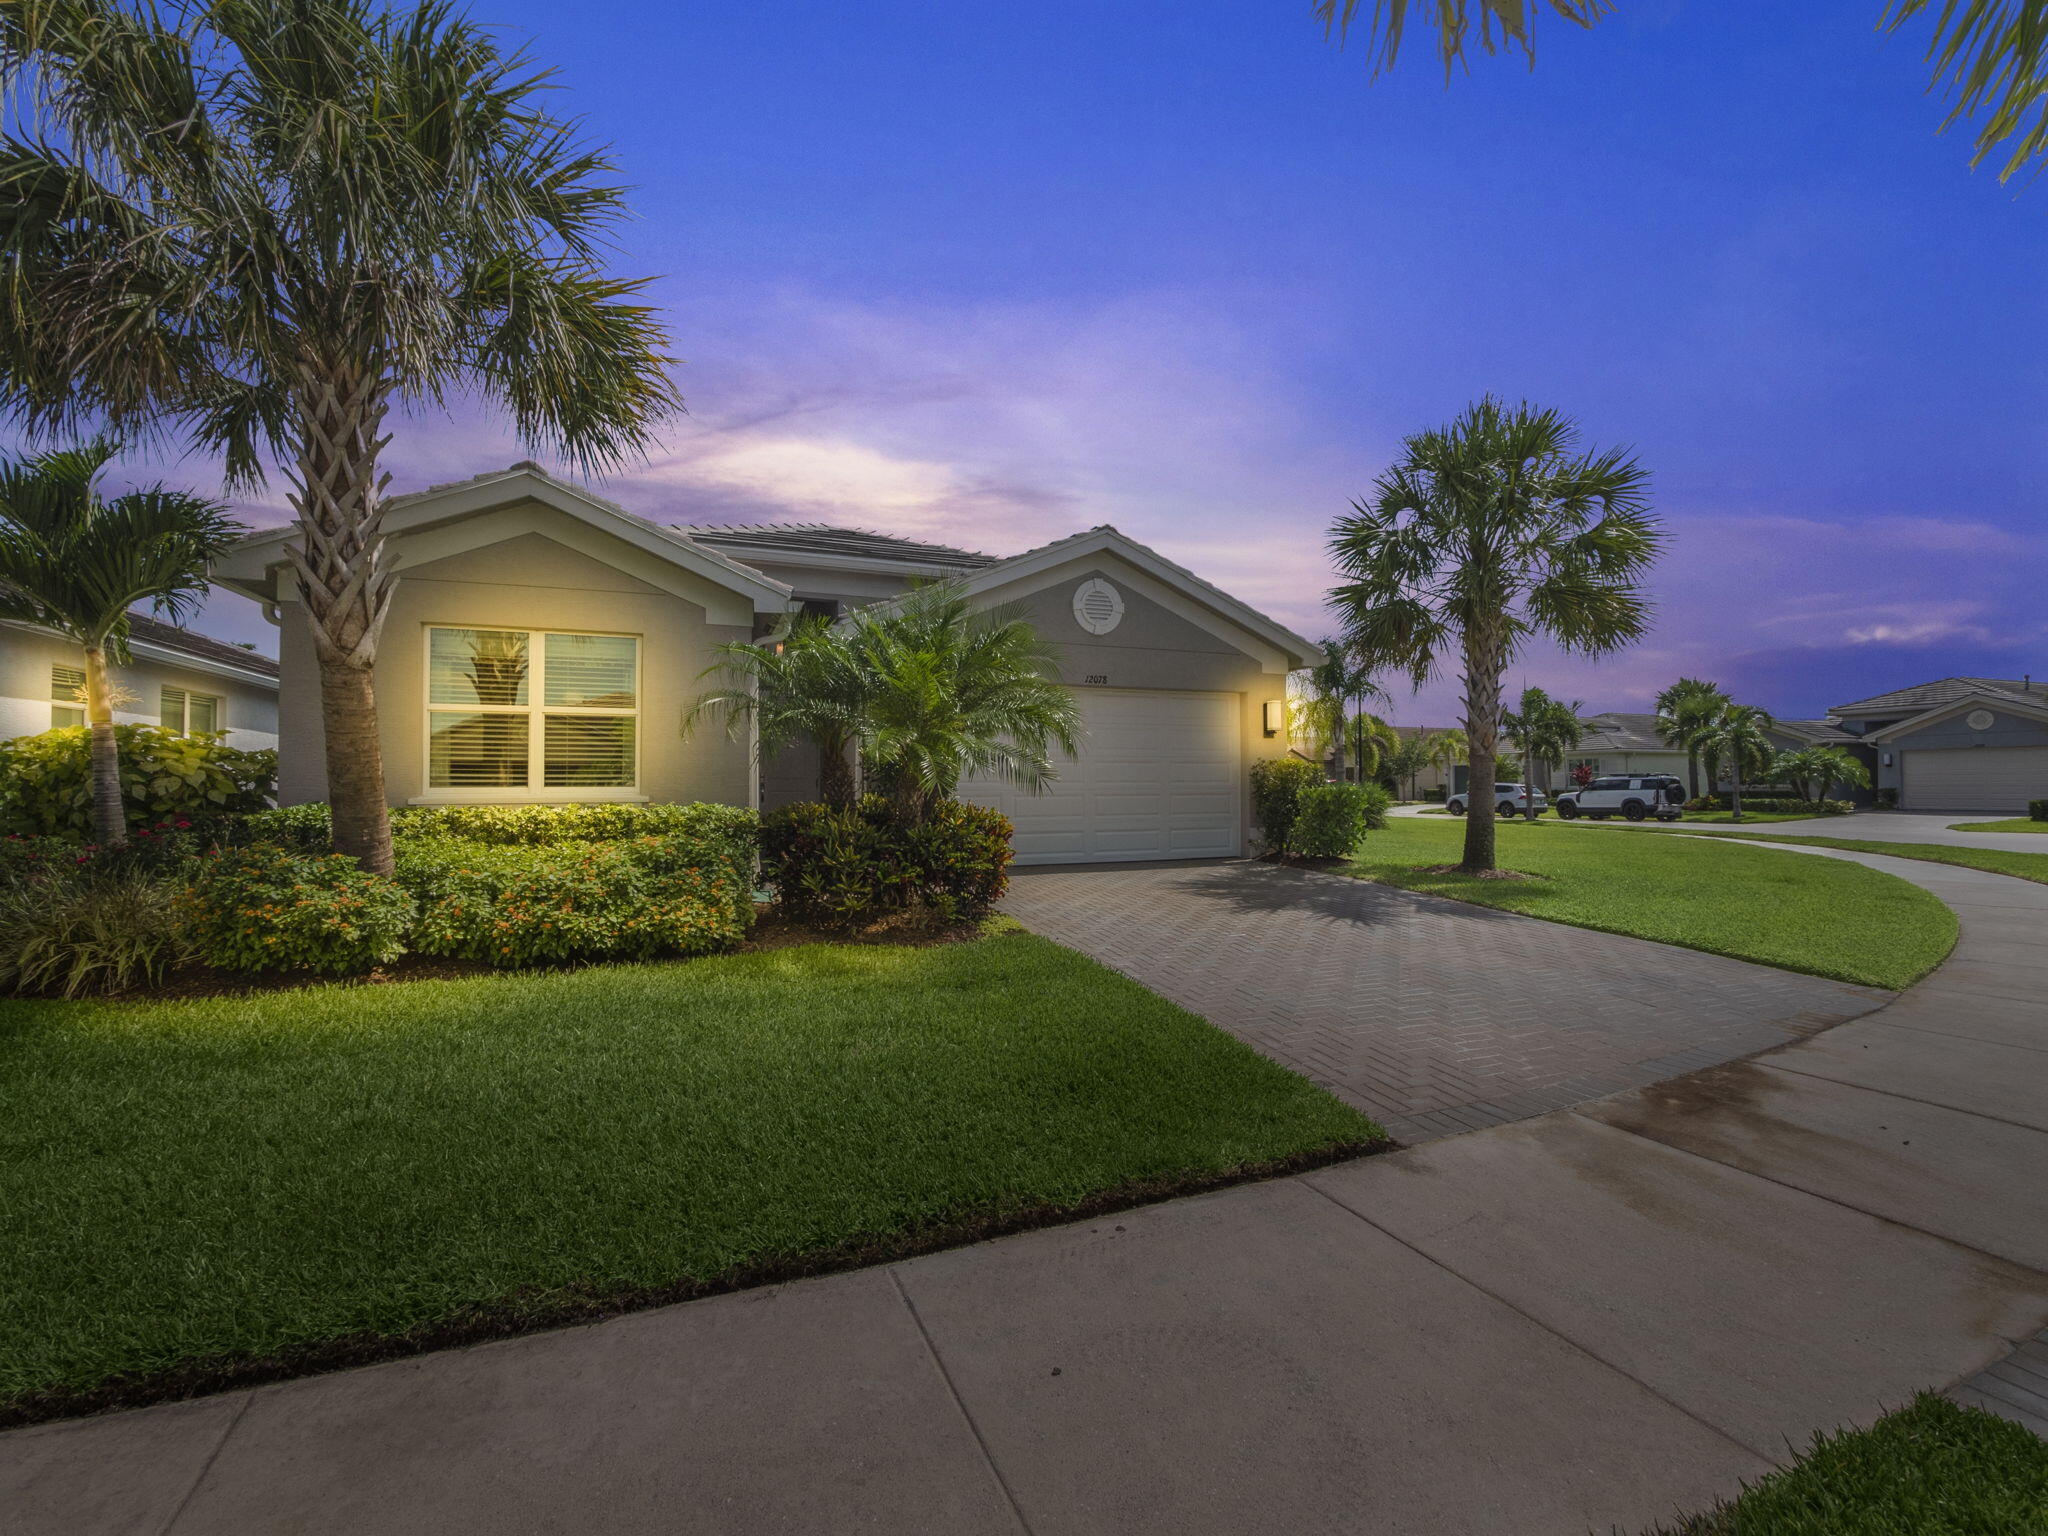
(1887, 759)
(1276, 716)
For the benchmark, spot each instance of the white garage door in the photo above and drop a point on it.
(1974, 778)
(1157, 778)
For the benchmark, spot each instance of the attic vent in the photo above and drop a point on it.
(1098, 607)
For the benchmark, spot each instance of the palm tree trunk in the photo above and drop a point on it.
(1692, 773)
(1735, 790)
(1484, 665)
(835, 773)
(109, 817)
(1529, 786)
(345, 588)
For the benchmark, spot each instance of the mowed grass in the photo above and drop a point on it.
(1931, 1469)
(2016, 824)
(1822, 916)
(1996, 861)
(243, 1177)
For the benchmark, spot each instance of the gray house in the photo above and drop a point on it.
(1957, 744)
(178, 678)
(544, 645)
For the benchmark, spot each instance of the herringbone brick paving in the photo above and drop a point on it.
(1433, 1016)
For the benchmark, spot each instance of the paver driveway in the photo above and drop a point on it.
(1433, 1016)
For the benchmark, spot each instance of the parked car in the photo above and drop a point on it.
(1658, 795)
(1508, 800)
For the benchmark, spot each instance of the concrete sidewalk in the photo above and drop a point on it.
(1594, 1319)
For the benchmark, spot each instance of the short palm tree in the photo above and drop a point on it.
(1682, 709)
(264, 225)
(953, 692)
(75, 563)
(1338, 688)
(1544, 729)
(1491, 530)
(1814, 771)
(1738, 737)
(1447, 749)
(802, 683)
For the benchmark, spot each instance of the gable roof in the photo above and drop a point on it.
(1946, 690)
(836, 544)
(147, 633)
(1819, 731)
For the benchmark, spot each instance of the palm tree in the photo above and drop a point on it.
(1337, 686)
(1682, 709)
(264, 224)
(75, 563)
(1373, 741)
(952, 692)
(1489, 531)
(1545, 729)
(1738, 736)
(1989, 57)
(1447, 749)
(804, 682)
(1813, 771)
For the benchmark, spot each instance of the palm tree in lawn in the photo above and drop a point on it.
(1682, 709)
(1739, 737)
(802, 683)
(1489, 531)
(74, 562)
(1545, 729)
(953, 692)
(264, 224)
(1989, 57)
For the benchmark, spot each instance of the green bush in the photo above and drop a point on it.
(1329, 820)
(2037, 810)
(1277, 784)
(269, 908)
(309, 828)
(1437, 792)
(597, 822)
(518, 904)
(67, 930)
(849, 867)
(1775, 804)
(46, 780)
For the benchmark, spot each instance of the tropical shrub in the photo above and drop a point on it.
(1777, 805)
(67, 930)
(1331, 820)
(2037, 810)
(851, 866)
(1277, 785)
(309, 828)
(46, 780)
(731, 828)
(519, 904)
(270, 908)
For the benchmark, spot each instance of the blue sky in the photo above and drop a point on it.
(992, 273)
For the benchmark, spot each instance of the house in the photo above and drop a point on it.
(178, 678)
(1620, 742)
(1956, 744)
(545, 645)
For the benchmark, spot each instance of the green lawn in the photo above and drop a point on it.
(2017, 824)
(250, 1177)
(1822, 916)
(1997, 861)
(1931, 1469)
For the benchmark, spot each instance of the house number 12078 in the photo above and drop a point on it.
(1096, 677)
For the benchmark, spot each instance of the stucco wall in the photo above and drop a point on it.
(528, 582)
(2005, 730)
(26, 658)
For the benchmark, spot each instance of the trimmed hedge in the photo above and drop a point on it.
(731, 826)
(851, 866)
(515, 904)
(1764, 804)
(269, 908)
(1331, 820)
(46, 780)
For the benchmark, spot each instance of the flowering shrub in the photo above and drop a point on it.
(513, 904)
(1582, 775)
(46, 780)
(267, 908)
(1331, 820)
(847, 867)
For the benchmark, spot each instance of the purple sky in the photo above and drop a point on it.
(990, 275)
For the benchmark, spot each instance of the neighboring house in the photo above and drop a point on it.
(1957, 744)
(1615, 743)
(179, 679)
(545, 645)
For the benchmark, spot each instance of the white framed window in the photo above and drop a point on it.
(516, 714)
(67, 696)
(189, 713)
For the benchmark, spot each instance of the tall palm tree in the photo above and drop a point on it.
(1682, 709)
(803, 683)
(1989, 57)
(953, 692)
(75, 562)
(1487, 532)
(1545, 729)
(264, 223)
(1737, 736)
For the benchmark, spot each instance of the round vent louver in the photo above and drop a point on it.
(1980, 720)
(1098, 607)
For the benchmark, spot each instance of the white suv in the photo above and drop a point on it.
(1658, 795)
(1508, 800)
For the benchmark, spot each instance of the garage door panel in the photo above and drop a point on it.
(1159, 776)
(1974, 778)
